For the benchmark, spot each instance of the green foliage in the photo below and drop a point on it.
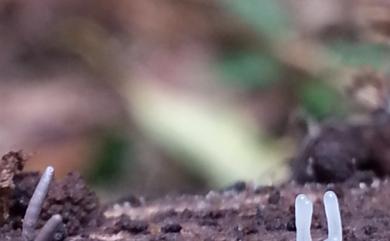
(248, 70)
(321, 100)
(266, 16)
(110, 158)
(361, 54)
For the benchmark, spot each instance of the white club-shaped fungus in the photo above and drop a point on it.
(303, 216)
(35, 205)
(333, 218)
(34, 209)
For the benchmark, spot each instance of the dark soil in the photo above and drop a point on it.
(255, 213)
(240, 212)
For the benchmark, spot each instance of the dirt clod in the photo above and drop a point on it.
(10, 165)
(132, 226)
(77, 204)
(171, 228)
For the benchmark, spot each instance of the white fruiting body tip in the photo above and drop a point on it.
(50, 170)
(303, 216)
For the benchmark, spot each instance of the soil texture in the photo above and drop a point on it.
(240, 212)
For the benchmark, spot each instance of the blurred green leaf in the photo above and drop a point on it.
(109, 158)
(320, 99)
(248, 70)
(266, 16)
(220, 144)
(361, 54)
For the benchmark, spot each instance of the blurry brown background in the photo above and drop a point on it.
(160, 96)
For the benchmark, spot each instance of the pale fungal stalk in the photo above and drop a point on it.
(51, 226)
(34, 208)
(35, 205)
(303, 216)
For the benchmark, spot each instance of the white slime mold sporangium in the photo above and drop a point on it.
(304, 212)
